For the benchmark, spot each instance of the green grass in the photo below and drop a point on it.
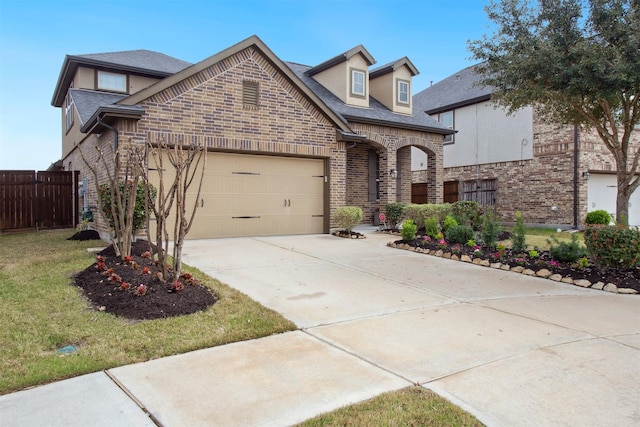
(412, 406)
(41, 312)
(538, 237)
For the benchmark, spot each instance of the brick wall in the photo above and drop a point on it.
(538, 185)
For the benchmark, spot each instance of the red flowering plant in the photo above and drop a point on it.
(141, 290)
(177, 286)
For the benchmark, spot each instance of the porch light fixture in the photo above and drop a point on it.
(393, 173)
(585, 175)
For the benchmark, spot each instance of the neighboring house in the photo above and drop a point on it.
(287, 143)
(553, 173)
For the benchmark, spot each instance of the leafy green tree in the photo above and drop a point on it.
(578, 61)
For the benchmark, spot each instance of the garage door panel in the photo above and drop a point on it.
(252, 195)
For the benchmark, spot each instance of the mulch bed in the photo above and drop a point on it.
(622, 278)
(159, 299)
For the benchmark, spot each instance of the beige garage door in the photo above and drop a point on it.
(253, 195)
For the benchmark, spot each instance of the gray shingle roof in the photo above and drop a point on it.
(141, 59)
(457, 90)
(376, 111)
(87, 102)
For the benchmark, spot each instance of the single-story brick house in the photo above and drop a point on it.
(287, 143)
(553, 173)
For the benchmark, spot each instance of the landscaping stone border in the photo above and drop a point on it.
(542, 273)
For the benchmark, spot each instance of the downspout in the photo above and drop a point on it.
(115, 134)
(575, 176)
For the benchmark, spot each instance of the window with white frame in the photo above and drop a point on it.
(357, 83)
(69, 112)
(403, 92)
(446, 119)
(112, 81)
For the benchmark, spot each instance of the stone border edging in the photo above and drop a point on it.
(543, 273)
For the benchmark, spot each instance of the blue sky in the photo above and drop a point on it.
(35, 35)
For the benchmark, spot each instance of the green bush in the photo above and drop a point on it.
(564, 251)
(449, 222)
(431, 227)
(459, 234)
(599, 216)
(408, 230)
(393, 212)
(347, 217)
(612, 246)
(491, 229)
(518, 242)
(139, 214)
(420, 212)
(467, 212)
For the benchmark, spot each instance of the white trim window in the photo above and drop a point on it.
(112, 81)
(446, 119)
(357, 83)
(403, 92)
(69, 112)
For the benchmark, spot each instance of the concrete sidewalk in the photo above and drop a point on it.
(511, 349)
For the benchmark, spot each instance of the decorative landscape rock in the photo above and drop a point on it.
(527, 267)
(582, 282)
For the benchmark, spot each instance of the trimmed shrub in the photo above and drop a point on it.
(420, 212)
(459, 234)
(139, 214)
(491, 229)
(393, 211)
(347, 217)
(599, 216)
(431, 227)
(449, 222)
(408, 230)
(612, 246)
(518, 243)
(564, 251)
(467, 212)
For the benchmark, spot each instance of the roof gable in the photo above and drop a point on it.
(254, 42)
(392, 66)
(338, 59)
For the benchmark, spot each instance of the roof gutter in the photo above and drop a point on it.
(441, 131)
(115, 133)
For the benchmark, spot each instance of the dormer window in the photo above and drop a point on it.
(112, 82)
(403, 92)
(357, 83)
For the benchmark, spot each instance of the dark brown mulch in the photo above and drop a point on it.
(159, 301)
(622, 278)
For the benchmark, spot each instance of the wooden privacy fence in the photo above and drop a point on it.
(30, 199)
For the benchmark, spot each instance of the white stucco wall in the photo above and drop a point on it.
(485, 135)
(488, 135)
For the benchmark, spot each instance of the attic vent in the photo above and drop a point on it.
(250, 93)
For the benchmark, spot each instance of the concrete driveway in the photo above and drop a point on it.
(511, 349)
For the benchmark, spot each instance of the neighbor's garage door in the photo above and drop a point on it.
(602, 195)
(253, 195)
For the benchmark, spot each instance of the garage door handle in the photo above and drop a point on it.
(202, 203)
(287, 202)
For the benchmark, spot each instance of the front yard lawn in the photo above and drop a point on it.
(43, 315)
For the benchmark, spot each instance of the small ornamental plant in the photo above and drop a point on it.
(583, 262)
(177, 286)
(146, 254)
(108, 272)
(146, 271)
(520, 261)
(101, 266)
(115, 278)
(141, 290)
(124, 286)
(189, 279)
(554, 264)
(533, 254)
(456, 249)
(471, 243)
(442, 244)
(100, 258)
